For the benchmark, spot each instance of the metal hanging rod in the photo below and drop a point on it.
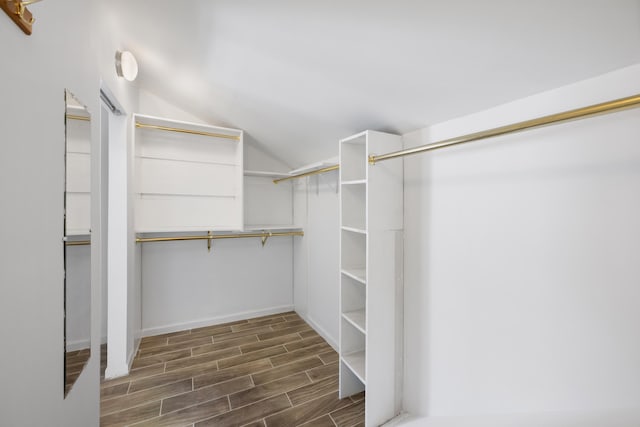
(591, 110)
(210, 236)
(302, 175)
(189, 131)
(78, 242)
(75, 117)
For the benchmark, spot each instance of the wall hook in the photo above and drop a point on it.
(210, 237)
(18, 12)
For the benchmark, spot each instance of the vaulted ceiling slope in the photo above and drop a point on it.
(298, 75)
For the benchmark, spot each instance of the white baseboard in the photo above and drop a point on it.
(78, 345)
(132, 355)
(158, 330)
(324, 334)
(617, 418)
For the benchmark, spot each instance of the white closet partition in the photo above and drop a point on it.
(189, 177)
(371, 221)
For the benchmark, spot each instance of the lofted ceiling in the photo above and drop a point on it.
(299, 75)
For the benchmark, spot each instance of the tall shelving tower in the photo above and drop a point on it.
(371, 236)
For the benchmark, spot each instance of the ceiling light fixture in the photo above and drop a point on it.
(126, 65)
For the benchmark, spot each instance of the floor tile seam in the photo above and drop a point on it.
(146, 402)
(200, 403)
(198, 363)
(297, 360)
(240, 355)
(134, 407)
(156, 386)
(258, 401)
(282, 366)
(309, 400)
(212, 351)
(300, 404)
(212, 336)
(277, 379)
(348, 406)
(275, 345)
(228, 337)
(315, 419)
(306, 346)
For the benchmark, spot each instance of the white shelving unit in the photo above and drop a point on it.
(371, 222)
(189, 177)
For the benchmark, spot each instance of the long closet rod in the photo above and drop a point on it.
(263, 235)
(78, 242)
(578, 113)
(302, 175)
(210, 236)
(189, 131)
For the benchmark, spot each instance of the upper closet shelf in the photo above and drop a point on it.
(314, 166)
(268, 228)
(266, 174)
(156, 123)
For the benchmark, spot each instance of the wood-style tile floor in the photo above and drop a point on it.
(269, 371)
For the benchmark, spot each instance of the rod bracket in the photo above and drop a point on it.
(210, 237)
(264, 238)
(372, 159)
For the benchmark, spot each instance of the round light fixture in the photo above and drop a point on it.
(126, 65)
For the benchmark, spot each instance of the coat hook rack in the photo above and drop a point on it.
(18, 12)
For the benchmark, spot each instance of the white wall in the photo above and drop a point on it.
(316, 264)
(522, 261)
(62, 53)
(184, 286)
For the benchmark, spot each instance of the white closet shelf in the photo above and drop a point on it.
(189, 126)
(357, 318)
(312, 167)
(175, 195)
(355, 230)
(167, 159)
(272, 228)
(356, 363)
(266, 174)
(354, 182)
(188, 229)
(359, 274)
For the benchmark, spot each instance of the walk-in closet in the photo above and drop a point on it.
(320, 214)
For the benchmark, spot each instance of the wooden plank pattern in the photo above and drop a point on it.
(269, 371)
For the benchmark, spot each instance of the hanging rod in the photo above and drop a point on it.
(191, 132)
(302, 175)
(75, 117)
(591, 110)
(78, 242)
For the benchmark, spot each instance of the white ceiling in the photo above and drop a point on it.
(299, 75)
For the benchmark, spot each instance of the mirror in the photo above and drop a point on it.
(77, 239)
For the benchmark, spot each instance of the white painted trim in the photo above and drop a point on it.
(116, 371)
(215, 320)
(324, 334)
